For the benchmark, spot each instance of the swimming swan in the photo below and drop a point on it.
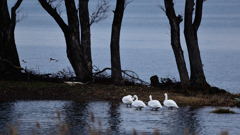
(138, 103)
(169, 103)
(127, 100)
(154, 104)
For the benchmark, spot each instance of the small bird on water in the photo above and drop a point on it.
(53, 60)
(23, 61)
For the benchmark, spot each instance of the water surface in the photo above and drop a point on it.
(115, 117)
(145, 41)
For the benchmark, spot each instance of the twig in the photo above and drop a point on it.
(10, 63)
(123, 71)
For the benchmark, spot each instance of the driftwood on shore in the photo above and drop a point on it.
(73, 83)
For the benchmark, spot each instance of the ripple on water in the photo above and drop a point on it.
(116, 117)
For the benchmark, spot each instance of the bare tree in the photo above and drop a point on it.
(8, 50)
(197, 78)
(78, 50)
(175, 41)
(86, 21)
(85, 32)
(101, 12)
(114, 45)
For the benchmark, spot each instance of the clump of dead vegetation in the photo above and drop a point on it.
(223, 110)
(32, 75)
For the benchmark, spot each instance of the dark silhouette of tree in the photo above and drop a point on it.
(114, 45)
(86, 21)
(197, 77)
(175, 41)
(8, 52)
(78, 50)
(85, 32)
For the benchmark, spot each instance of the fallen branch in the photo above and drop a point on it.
(10, 63)
(123, 71)
(74, 83)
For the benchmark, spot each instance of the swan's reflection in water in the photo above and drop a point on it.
(115, 117)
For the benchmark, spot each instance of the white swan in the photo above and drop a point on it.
(169, 103)
(127, 100)
(138, 103)
(154, 104)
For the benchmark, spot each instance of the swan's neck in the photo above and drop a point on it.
(150, 98)
(136, 97)
(166, 98)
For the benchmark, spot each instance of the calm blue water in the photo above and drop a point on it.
(145, 41)
(145, 49)
(115, 117)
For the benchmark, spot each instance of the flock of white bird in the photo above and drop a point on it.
(154, 104)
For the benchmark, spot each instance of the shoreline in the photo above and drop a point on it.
(18, 90)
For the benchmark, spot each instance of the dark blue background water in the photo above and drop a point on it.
(145, 40)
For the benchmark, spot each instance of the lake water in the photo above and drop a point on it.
(145, 41)
(145, 48)
(115, 117)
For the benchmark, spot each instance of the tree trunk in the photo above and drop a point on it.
(85, 32)
(8, 48)
(114, 45)
(175, 42)
(197, 78)
(75, 52)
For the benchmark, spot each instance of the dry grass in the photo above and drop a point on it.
(39, 90)
(222, 110)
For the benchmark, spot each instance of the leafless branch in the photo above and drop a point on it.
(13, 13)
(10, 63)
(50, 1)
(22, 17)
(162, 7)
(53, 12)
(100, 12)
(134, 75)
(127, 2)
(59, 10)
(57, 5)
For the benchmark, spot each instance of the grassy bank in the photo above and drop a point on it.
(18, 90)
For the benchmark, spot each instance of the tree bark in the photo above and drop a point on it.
(8, 48)
(75, 52)
(197, 78)
(175, 42)
(85, 31)
(114, 45)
